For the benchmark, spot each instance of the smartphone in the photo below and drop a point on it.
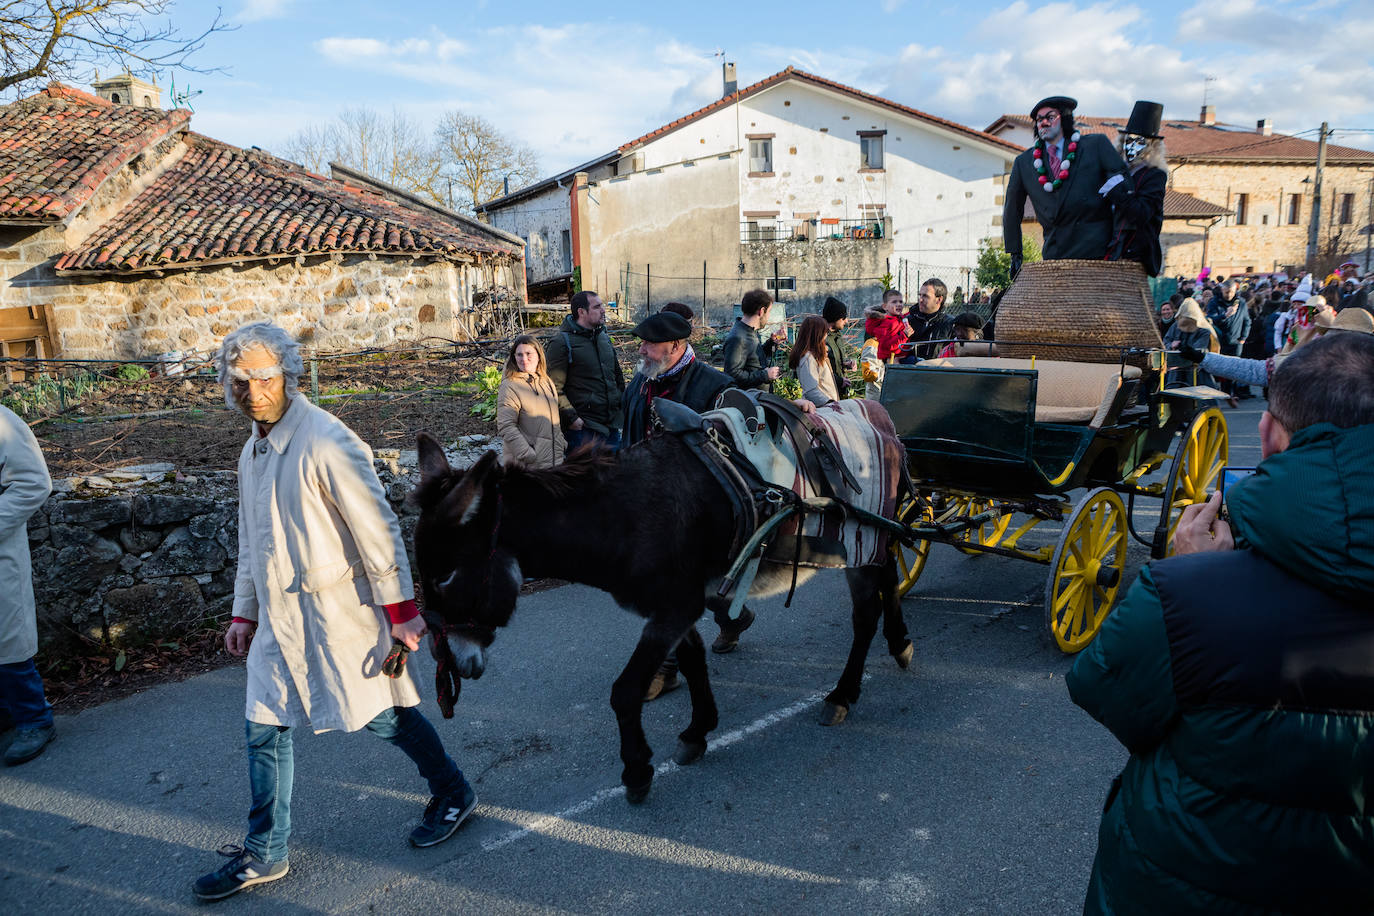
(1229, 477)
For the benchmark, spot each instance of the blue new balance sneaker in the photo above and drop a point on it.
(443, 815)
(242, 870)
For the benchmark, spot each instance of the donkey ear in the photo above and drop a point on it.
(461, 505)
(432, 460)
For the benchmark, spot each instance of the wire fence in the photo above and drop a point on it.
(85, 390)
(638, 289)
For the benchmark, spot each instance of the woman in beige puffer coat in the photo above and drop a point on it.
(527, 408)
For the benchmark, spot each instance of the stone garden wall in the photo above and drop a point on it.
(146, 554)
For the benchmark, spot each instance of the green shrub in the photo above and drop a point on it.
(131, 372)
(787, 386)
(488, 382)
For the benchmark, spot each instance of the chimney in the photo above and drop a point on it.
(1209, 115)
(1265, 127)
(731, 83)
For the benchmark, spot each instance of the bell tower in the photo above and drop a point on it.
(127, 89)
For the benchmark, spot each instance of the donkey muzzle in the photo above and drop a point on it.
(469, 656)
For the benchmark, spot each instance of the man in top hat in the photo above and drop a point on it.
(1064, 175)
(1138, 199)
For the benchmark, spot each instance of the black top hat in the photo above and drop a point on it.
(1145, 118)
(1059, 102)
(663, 326)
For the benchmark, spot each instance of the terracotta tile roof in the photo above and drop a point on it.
(792, 73)
(59, 146)
(1178, 205)
(219, 203)
(1190, 140)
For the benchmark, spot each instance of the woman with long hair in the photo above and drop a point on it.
(527, 408)
(810, 358)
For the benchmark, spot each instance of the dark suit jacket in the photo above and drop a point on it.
(1138, 206)
(1076, 219)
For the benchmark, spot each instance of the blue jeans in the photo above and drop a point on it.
(577, 437)
(271, 769)
(21, 692)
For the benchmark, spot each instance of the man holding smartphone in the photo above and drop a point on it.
(1240, 674)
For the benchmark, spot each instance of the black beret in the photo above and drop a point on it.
(1057, 102)
(663, 326)
(834, 310)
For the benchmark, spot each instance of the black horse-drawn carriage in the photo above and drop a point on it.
(998, 446)
(988, 447)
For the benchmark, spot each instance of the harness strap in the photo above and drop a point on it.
(818, 455)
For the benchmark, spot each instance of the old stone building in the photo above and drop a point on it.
(1260, 186)
(124, 234)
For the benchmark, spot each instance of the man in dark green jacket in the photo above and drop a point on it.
(836, 315)
(584, 369)
(1241, 675)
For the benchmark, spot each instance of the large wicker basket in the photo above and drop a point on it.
(1092, 304)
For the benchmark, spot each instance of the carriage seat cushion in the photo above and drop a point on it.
(1065, 392)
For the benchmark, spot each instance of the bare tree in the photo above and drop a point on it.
(478, 158)
(65, 39)
(396, 150)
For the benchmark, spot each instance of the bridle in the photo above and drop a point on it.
(447, 683)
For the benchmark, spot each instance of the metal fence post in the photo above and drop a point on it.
(315, 380)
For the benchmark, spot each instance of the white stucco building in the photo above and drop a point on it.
(821, 185)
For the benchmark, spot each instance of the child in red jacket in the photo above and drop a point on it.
(887, 325)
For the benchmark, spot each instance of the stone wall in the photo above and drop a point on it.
(1265, 241)
(330, 302)
(146, 554)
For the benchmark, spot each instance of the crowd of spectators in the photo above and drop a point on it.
(1260, 319)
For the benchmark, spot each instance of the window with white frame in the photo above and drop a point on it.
(761, 154)
(870, 151)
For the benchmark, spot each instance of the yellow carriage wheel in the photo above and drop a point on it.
(1086, 571)
(989, 534)
(1201, 453)
(911, 560)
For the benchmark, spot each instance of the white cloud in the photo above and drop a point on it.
(558, 89)
(258, 10)
(1094, 53)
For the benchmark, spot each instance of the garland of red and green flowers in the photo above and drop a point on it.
(1070, 153)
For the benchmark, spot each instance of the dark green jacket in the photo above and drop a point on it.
(835, 349)
(588, 377)
(1243, 685)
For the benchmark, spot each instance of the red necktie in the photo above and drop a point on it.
(1052, 150)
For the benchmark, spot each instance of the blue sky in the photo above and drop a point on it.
(576, 81)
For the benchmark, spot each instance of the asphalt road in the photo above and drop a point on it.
(968, 784)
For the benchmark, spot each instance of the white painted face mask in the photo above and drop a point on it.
(1133, 146)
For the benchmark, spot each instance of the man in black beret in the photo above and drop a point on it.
(836, 315)
(1064, 175)
(669, 368)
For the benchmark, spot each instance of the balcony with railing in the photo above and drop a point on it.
(811, 230)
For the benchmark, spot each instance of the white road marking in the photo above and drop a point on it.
(981, 601)
(553, 822)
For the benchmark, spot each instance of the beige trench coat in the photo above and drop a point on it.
(320, 554)
(24, 485)
(527, 419)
